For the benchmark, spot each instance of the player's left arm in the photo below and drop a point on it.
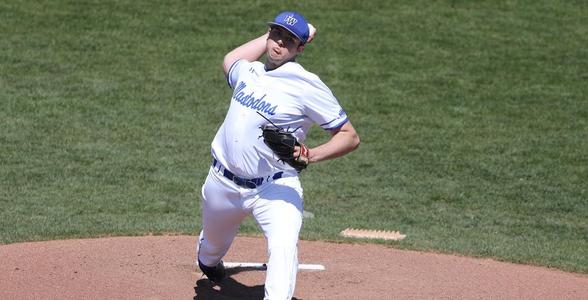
(342, 141)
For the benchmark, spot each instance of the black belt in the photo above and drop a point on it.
(243, 182)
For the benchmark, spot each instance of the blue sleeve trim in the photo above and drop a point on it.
(339, 125)
(229, 73)
(328, 123)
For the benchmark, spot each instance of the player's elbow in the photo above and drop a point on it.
(351, 135)
(355, 141)
(226, 65)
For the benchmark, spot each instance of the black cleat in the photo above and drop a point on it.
(214, 274)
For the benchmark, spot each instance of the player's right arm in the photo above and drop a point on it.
(250, 51)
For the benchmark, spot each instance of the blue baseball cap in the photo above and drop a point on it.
(293, 22)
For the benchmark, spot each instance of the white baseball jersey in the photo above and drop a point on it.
(289, 96)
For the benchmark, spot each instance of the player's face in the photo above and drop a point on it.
(281, 46)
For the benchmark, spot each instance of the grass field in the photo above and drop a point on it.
(473, 117)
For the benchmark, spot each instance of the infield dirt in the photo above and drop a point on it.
(162, 267)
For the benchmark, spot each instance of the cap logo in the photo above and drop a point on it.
(290, 20)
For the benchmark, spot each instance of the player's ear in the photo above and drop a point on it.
(300, 48)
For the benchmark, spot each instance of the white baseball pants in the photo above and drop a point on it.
(277, 207)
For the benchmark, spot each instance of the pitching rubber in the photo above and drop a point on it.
(262, 266)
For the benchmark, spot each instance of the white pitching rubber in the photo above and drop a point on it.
(262, 266)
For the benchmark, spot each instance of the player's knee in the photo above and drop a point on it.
(282, 245)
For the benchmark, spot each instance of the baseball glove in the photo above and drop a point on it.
(282, 144)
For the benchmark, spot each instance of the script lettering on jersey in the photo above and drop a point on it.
(249, 100)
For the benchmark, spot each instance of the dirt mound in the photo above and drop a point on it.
(162, 267)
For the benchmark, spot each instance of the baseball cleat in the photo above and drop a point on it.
(214, 274)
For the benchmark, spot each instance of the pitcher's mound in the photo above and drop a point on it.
(162, 267)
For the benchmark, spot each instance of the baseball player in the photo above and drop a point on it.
(246, 177)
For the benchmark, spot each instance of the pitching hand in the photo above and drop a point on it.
(311, 33)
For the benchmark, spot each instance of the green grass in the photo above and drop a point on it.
(473, 117)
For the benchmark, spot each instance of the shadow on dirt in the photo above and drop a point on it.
(228, 289)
